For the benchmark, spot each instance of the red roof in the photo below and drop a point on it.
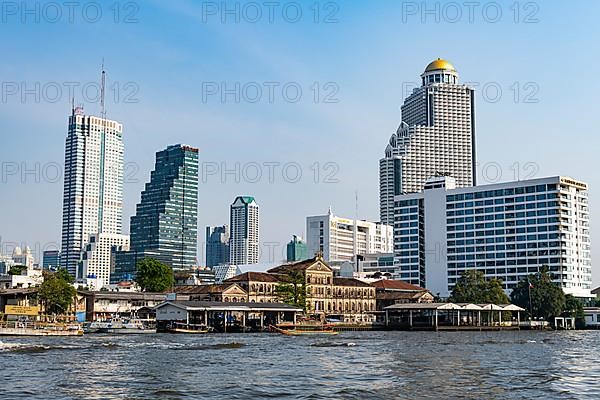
(390, 284)
(349, 282)
(299, 266)
(254, 277)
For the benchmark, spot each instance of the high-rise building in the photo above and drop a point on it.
(335, 237)
(244, 222)
(165, 225)
(506, 230)
(93, 186)
(436, 137)
(96, 257)
(217, 245)
(51, 260)
(297, 250)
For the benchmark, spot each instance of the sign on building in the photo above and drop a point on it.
(21, 310)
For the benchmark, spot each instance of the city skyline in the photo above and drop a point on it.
(502, 144)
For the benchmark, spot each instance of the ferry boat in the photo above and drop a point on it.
(304, 329)
(132, 326)
(177, 327)
(26, 328)
(95, 326)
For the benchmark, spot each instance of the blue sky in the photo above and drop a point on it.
(543, 123)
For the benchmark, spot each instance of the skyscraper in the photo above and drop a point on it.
(93, 186)
(436, 137)
(244, 241)
(51, 260)
(296, 250)
(341, 239)
(217, 245)
(165, 225)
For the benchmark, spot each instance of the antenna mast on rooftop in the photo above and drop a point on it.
(103, 93)
(355, 236)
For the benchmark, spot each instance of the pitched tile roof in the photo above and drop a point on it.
(391, 284)
(202, 289)
(254, 277)
(349, 282)
(399, 295)
(299, 266)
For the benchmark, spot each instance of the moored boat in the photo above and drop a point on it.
(132, 326)
(188, 328)
(304, 329)
(18, 328)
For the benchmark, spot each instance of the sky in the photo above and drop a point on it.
(290, 102)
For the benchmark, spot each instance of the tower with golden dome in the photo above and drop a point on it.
(436, 136)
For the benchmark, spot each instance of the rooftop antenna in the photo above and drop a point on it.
(102, 92)
(355, 236)
(104, 125)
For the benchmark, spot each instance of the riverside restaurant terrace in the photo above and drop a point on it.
(452, 316)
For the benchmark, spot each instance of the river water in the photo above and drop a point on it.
(352, 365)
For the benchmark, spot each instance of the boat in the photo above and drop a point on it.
(177, 327)
(27, 328)
(304, 329)
(95, 326)
(131, 326)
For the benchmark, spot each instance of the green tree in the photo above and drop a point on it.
(56, 293)
(154, 276)
(63, 274)
(292, 290)
(547, 300)
(472, 287)
(17, 269)
(574, 309)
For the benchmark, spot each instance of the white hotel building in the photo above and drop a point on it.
(93, 194)
(244, 244)
(506, 230)
(340, 239)
(436, 137)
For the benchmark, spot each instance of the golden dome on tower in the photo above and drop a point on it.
(439, 64)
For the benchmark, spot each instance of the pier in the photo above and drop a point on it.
(453, 317)
(225, 316)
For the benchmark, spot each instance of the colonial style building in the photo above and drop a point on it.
(260, 286)
(227, 292)
(390, 292)
(347, 299)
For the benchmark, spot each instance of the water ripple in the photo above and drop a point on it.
(353, 365)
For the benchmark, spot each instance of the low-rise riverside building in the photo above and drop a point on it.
(390, 292)
(18, 297)
(28, 278)
(226, 292)
(107, 305)
(224, 316)
(592, 317)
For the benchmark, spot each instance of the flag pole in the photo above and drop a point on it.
(530, 307)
